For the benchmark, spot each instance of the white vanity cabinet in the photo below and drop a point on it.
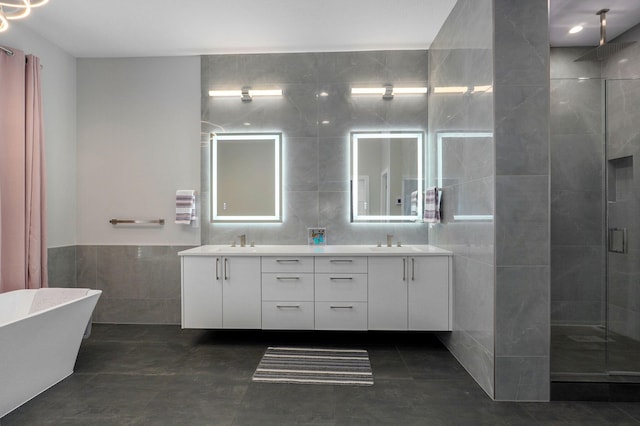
(317, 288)
(341, 293)
(409, 293)
(221, 292)
(287, 293)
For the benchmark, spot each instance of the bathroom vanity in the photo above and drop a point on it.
(299, 287)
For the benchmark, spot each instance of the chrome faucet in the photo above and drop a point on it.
(389, 240)
(243, 240)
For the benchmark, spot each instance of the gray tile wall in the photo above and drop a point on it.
(61, 266)
(140, 284)
(522, 219)
(316, 155)
(462, 55)
(577, 190)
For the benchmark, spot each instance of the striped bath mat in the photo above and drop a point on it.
(315, 366)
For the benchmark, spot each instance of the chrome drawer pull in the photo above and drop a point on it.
(287, 260)
(287, 278)
(340, 260)
(288, 306)
(340, 278)
(341, 307)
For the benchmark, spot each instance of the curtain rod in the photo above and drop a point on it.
(7, 51)
(10, 53)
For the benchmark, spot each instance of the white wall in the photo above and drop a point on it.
(59, 104)
(138, 141)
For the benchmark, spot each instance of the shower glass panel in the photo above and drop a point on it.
(623, 227)
(595, 230)
(578, 256)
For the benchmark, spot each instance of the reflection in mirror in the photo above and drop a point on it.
(246, 179)
(453, 150)
(386, 176)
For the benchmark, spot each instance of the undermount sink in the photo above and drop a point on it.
(395, 249)
(242, 249)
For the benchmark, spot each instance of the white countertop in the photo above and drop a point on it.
(306, 250)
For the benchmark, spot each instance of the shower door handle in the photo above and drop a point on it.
(617, 240)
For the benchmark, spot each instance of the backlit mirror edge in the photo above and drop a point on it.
(277, 217)
(396, 134)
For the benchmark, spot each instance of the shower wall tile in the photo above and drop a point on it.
(577, 107)
(522, 200)
(521, 55)
(61, 266)
(577, 312)
(522, 220)
(577, 163)
(577, 273)
(522, 130)
(522, 311)
(522, 378)
(577, 217)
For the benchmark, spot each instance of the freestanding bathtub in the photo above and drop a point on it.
(40, 335)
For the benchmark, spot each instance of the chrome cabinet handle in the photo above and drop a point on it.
(413, 269)
(341, 307)
(287, 260)
(340, 260)
(226, 264)
(340, 278)
(288, 306)
(404, 269)
(217, 267)
(287, 278)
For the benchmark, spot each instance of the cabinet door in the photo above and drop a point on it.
(201, 293)
(241, 292)
(429, 293)
(387, 302)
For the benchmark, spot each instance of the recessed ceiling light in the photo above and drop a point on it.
(576, 29)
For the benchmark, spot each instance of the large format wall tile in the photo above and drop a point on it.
(462, 55)
(61, 266)
(140, 284)
(316, 115)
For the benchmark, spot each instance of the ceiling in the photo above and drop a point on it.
(126, 28)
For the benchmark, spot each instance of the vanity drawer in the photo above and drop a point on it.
(345, 264)
(341, 287)
(287, 315)
(287, 264)
(287, 286)
(341, 315)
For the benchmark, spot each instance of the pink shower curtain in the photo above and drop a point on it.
(23, 248)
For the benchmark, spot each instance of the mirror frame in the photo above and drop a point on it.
(355, 141)
(276, 139)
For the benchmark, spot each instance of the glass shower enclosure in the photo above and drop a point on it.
(595, 230)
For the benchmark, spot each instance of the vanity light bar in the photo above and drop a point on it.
(251, 92)
(381, 91)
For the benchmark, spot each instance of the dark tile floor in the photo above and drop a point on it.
(161, 375)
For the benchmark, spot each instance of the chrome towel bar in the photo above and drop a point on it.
(137, 222)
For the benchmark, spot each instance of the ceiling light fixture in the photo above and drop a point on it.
(16, 9)
(576, 29)
(245, 94)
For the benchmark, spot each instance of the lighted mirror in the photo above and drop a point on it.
(246, 183)
(386, 176)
